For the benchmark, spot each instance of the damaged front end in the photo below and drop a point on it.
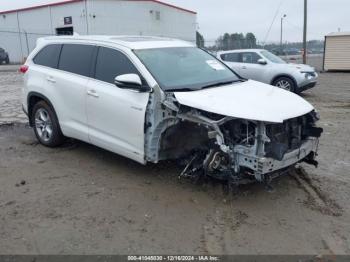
(237, 150)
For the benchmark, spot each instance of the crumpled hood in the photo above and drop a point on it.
(247, 100)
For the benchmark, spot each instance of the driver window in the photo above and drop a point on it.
(250, 58)
(111, 63)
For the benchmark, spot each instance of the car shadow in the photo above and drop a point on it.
(168, 172)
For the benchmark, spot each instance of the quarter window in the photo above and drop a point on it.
(48, 56)
(111, 63)
(76, 59)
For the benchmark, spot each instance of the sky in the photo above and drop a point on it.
(215, 17)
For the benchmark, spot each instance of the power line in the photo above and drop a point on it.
(273, 20)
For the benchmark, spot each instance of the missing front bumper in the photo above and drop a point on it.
(264, 165)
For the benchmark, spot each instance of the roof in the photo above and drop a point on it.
(339, 34)
(74, 1)
(239, 50)
(129, 41)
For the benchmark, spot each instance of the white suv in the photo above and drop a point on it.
(151, 99)
(263, 66)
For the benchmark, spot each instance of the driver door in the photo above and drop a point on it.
(115, 116)
(250, 68)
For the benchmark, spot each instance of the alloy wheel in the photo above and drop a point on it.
(43, 124)
(284, 85)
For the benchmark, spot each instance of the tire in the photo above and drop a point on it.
(285, 83)
(46, 126)
(7, 61)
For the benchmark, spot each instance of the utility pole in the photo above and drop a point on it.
(281, 40)
(305, 32)
(20, 38)
(27, 44)
(86, 17)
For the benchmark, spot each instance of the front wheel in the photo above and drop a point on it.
(46, 126)
(7, 61)
(285, 83)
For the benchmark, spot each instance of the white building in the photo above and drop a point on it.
(20, 28)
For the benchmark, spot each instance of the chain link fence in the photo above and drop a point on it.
(314, 60)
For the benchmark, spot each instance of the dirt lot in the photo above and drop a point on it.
(79, 199)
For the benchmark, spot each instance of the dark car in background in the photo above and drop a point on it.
(4, 56)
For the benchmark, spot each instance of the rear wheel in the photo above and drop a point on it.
(285, 83)
(46, 126)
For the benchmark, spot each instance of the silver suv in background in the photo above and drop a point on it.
(263, 66)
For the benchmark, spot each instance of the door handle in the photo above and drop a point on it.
(244, 67)
(92, 93)
(51, 79)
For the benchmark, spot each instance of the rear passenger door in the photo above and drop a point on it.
(70, 80)
(233, 61)
(250, 68)
(116, 116)
(61, 74)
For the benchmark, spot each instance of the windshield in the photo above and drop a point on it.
(185, 68)
(273, 58)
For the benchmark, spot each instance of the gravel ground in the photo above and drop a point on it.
(79, 199)
(10, 102)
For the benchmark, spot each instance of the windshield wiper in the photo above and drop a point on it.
(185, 89)
(203, 87)
(219, 84)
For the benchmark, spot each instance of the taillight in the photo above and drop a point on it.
(23, 69)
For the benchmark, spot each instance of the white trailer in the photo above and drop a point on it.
(337, 52)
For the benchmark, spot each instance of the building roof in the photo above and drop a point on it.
(129, 41)
(339, 34)
(74, 1)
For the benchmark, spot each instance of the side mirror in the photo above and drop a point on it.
(129, 81)
(262, 61)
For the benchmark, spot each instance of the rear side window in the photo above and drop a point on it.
(231, 57)
(111, 63)
(76, 59)
(48, 56)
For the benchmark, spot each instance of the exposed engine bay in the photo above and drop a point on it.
(237, 150)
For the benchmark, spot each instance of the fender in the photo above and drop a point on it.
(284, 75)
(30, 105)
